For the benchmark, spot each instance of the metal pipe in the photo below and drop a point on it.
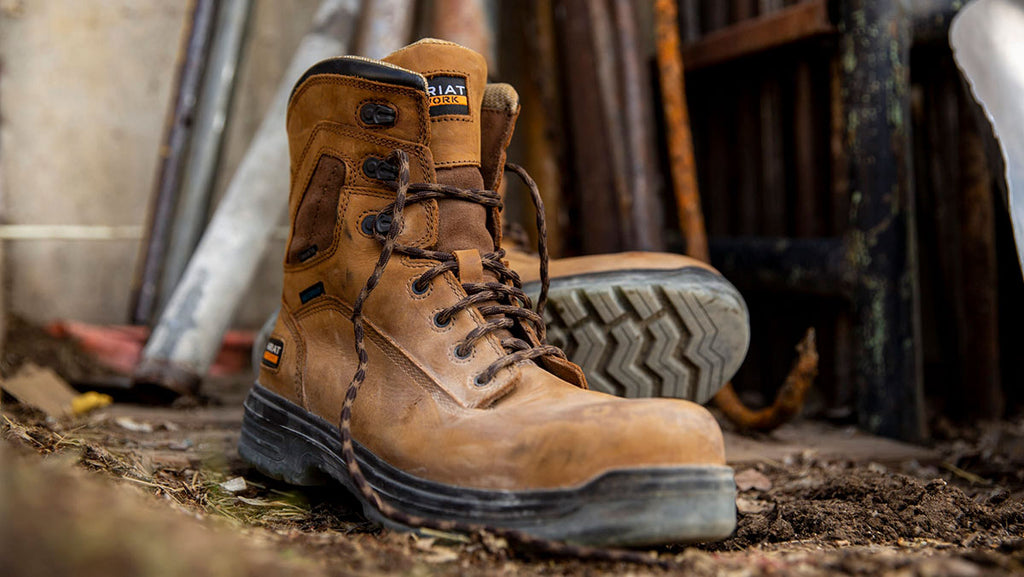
(172, 155)
(677, 120)
(207, 139)
(875, 52)
(187, 338)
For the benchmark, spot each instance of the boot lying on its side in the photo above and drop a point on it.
(639, 324)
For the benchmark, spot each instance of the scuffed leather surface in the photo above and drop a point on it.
(419, 408)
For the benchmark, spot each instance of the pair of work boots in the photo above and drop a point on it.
(406, 362)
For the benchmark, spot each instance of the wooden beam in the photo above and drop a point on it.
(798, 22)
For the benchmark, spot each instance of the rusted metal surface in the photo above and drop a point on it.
(790, 399)
(677, 130)
(848, 190)
(791, 396)
(798, 22)
(173, 152)
(772, 195)
(875, 55)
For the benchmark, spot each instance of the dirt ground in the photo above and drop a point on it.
(139, 490)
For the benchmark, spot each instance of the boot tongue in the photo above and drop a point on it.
(456, 78)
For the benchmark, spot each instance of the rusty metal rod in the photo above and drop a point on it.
(204, 152)
(677, 129)
(172, 159)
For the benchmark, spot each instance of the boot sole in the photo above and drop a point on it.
(650, 333)
(620, 508)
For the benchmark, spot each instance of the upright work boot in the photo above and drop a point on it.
(639, 324)
(403, 364)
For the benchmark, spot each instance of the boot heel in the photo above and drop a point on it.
(277, 450)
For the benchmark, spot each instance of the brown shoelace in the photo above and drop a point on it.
(503, 304)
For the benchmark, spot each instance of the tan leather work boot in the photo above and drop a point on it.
(639, 324)
(403, 364)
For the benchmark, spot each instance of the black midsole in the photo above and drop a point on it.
(268, 416)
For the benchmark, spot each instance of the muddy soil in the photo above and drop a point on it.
(158, 491)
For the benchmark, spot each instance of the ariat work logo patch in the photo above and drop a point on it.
(447, 95)
(272, 353)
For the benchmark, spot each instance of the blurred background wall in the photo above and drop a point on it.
(85, 88)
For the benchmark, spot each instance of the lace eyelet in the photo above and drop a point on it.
(459, 354)
(377, 114)
(379, 169)
(368, 224)
(438, 323)
(382, 224)
(416, 290)
(479, 381)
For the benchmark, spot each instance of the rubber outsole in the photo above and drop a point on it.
(620, 508)
(650, 333)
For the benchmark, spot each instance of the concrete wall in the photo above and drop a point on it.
(84, 89)
(85, 86)
(274, 34)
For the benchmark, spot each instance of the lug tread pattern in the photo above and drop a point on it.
(664, 341)
(590, 340)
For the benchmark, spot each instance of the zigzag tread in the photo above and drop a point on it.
(663, 340)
